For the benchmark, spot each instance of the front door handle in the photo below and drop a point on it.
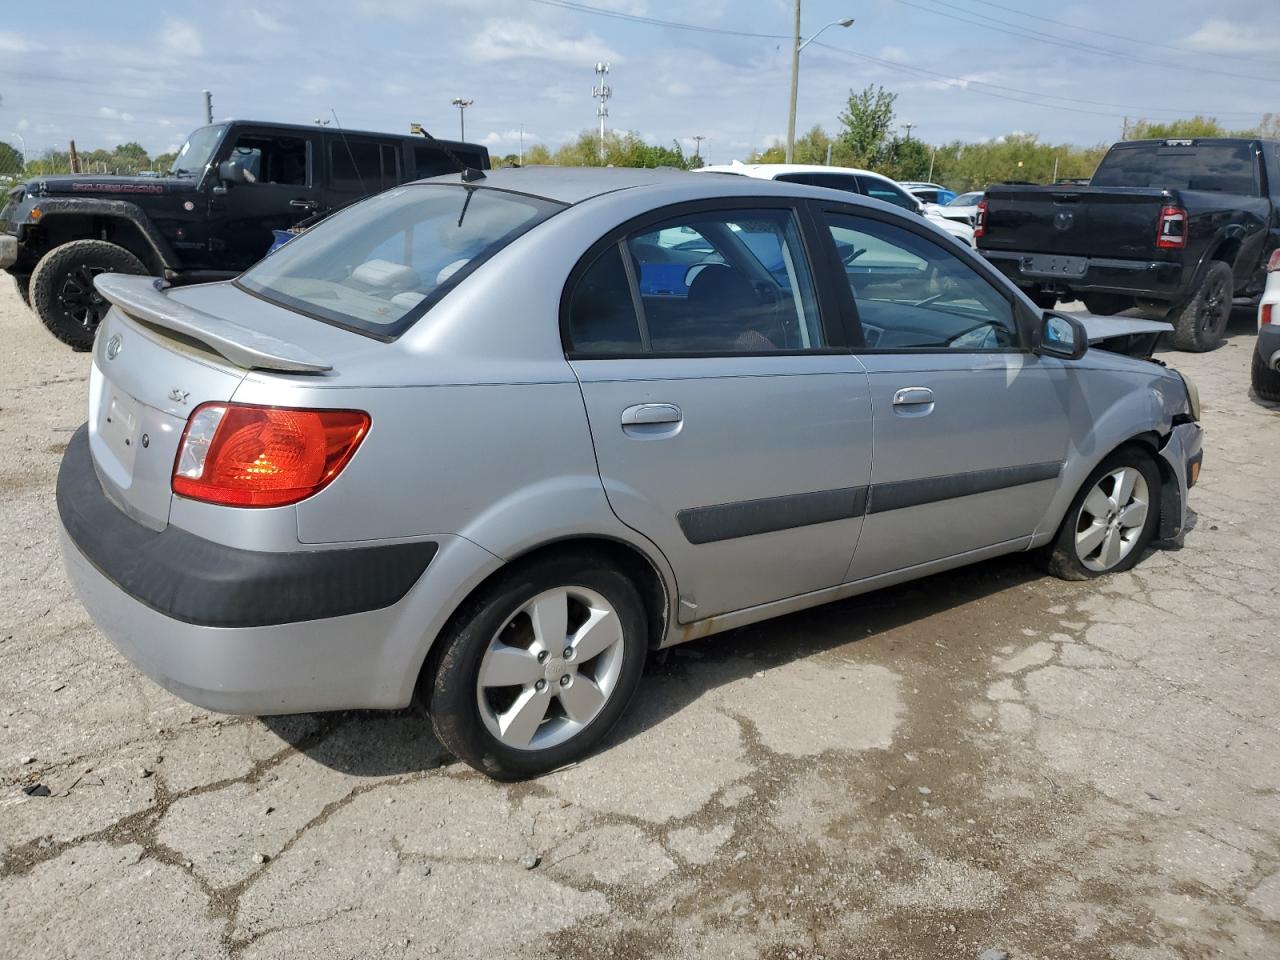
(305, 204)
(647, 413)
(911, 396)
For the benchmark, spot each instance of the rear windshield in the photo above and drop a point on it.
(379, 265)
(1219, 167)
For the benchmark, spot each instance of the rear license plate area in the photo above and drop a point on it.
(118, 428)
(1043, 265)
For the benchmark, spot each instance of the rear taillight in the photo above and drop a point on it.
(1273, 265)
(247, 456)
(1171, 231)
(1264, 315)
(980, 221)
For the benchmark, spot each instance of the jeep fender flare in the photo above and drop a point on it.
(53, 207)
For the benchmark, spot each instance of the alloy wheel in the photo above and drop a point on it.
(80, 299)
(551, 668)
(1112, 518)
(1215, 307)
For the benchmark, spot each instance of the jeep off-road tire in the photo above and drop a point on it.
(1266, 382)
(1199, 325)
(62, 291)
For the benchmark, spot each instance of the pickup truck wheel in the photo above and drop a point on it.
(1111, 520)
(23, 283)
(62, 291)
(1200, 324)
(1106, 304)
(538, 668)
(1266, 382)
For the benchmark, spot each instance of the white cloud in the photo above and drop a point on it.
(111, 113)
(267, 23)
(513, 40)
(12, 43)
(496, 138)
(181, 38)
(24, 125)
(1223, 36)
(317, 83)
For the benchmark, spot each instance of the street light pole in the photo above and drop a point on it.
(796, 47)
(462, 105)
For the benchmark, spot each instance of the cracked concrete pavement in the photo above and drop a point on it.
(989, 758)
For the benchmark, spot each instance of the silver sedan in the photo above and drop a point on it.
(490, 441)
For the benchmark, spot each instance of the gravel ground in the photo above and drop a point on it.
(987, 759)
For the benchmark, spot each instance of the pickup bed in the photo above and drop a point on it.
(1176, 227)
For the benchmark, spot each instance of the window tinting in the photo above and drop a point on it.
(280, 160)
(602, 314)
(880, 190)
(363, 166)
(913, 294)
(1219, 167)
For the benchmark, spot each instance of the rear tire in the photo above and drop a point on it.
(1199, 326)
(1266, 382)
(1112, 519)
(62, 291)
(555, 709)
(1106, 304)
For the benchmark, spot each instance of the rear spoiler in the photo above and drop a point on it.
(143, 298)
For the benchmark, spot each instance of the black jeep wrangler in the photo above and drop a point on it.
(211, 217)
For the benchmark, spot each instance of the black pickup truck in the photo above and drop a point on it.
(209, 218)
(1176, 227)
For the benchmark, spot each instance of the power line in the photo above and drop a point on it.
(1027, 33)
(1116, 36)
(959, 81)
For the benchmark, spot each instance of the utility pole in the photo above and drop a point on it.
(73, 158)
(602, 92)
(829, 146)
(208, 106)
(462, 105)
(522, 144)
(697, 146)
(1124, 129)
(795, 83)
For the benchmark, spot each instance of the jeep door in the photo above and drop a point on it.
(731, 424)
(970, 427)
(280, 188)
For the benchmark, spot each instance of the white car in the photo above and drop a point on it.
(1266, 354)
(963, 208)
(851, 180)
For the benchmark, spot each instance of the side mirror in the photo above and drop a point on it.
(230, 172)
(1062, 335)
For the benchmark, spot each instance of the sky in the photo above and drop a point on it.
(963, 69)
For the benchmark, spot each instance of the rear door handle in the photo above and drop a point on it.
(911, 396)
(305, 204)
(643, 414)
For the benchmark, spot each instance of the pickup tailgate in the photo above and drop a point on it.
(1106, 222)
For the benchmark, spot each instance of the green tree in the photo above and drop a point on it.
(906, 159)
(810, 147)
(10, 160)
(865, 124)
(537, 154)
(621, 149)
(1197, 126)
(164, 162)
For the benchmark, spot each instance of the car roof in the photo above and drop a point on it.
(573, 184)
(767, 171)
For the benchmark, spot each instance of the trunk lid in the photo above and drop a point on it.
(155, 359)
(1117, 222)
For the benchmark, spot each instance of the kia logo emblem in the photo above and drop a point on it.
(114, 346)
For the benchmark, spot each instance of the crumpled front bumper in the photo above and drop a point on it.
(1183, 453)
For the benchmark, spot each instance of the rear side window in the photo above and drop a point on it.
(363, 166)
(432, 161)
(1216, 167)
(720, 283)
(379, 265)
(882, 190)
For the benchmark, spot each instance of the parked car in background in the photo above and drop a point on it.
(209, 218)
(928, 192)
(963, 208)
(462, 439)
(863, 182)
(1266, 355)
(1177, 227)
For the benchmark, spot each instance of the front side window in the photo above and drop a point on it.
(380, 264)
(275, 160)
(722, 283)
(913, 294)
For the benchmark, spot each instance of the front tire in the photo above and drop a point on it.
(1112, 519)
(1266, 382)
(538, 668)
(1199, 326)
(62, 291)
